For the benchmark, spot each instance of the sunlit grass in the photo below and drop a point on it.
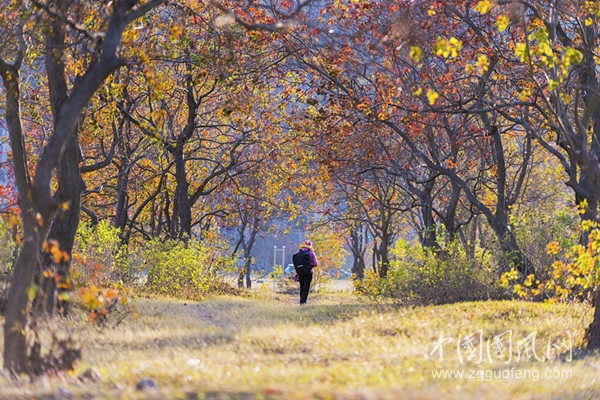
(266, 346)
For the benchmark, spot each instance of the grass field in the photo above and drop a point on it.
(265, 346)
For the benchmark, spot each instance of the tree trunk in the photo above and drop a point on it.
(182, 196)
(64, 229)
(588, 160)
(122, 199)
(593, 331)
(358, 248)
(248, 270)
(16, 316)
(70, 183)
(429, 235)
(241, 275)
(512, 253)
(384, 255)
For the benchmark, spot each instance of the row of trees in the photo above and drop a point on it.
(459, 110)
(440, 118)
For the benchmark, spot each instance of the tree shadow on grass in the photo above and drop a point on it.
(246, 313)
(215, 322)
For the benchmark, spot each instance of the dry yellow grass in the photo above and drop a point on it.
(267, 347)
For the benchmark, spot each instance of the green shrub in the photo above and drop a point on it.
(419, 275)
(98, 256)
(185, 269)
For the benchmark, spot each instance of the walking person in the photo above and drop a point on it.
(305, 261)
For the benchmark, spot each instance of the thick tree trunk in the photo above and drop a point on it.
(70, 183)
(588, 161)
(16, 316)
(64, 228)
(593, 331)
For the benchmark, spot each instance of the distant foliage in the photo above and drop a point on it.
(102, 268)
(419, 275)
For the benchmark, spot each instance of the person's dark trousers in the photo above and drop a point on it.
(305, 281)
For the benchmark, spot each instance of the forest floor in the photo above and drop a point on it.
(263, 345)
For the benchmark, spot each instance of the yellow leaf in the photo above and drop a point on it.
(525, 94)
(483, 7)
(521, 51)
(502, 22)
(432, 96)
(418, 92)
(553, 248)
(482, 62)
(32, 291)
(494, 171)
(447, 48)
(415, 53)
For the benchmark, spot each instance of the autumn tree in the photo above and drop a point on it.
(39, 205)
(557, 45)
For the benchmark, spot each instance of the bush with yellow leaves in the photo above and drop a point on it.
(573, 275)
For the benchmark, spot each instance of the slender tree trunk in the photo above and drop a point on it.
(182, 196)
(15, 317)
(358, 248)
(248, 269)
(513, 255)
(24, 268)
(122, 199)
(384, 265)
